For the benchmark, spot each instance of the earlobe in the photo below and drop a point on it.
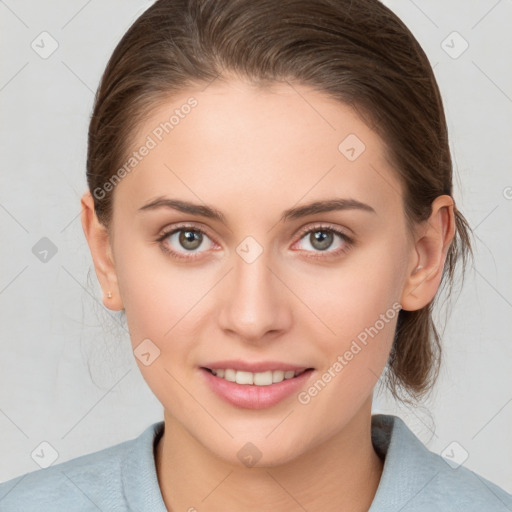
(429, 255)
(99, 245)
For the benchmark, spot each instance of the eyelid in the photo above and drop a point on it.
(167, 231)
(327, 227)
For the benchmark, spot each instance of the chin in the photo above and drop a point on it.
(259, 451)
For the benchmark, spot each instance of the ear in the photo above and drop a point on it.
(432, 240)
(99, 245)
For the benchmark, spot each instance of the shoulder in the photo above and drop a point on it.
(93, 481)
(83, 483)
(415, 479)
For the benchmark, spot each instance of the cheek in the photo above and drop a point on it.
(352, 297)
(165, 303)
(158, 294)
(361, 309)
(162, 302)
(359, 306)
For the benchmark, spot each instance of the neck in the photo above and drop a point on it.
(342, 473)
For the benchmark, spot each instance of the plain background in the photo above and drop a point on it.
(67, 374)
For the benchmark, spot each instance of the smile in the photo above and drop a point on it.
(255, 390)
(265, 378)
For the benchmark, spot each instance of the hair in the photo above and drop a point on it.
(359, 53)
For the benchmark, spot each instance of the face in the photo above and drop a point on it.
(241, 274)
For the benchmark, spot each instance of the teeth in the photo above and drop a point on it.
(258, 379)
(244, 377)
(277, 376)
(230, 375)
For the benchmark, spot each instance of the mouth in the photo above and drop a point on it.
(262, 378)
(250, 384)
(265, 388)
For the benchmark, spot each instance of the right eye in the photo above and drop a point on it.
(183, 240)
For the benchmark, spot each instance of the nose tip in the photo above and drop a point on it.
(254, 306)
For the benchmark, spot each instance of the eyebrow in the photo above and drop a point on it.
(290, 214)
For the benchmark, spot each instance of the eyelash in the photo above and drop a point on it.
(348, 242)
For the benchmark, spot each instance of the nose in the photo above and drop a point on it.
(255, 305)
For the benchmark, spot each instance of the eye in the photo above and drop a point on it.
(322, 238)
(184, 242)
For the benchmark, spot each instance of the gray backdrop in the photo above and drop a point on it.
(67, 375)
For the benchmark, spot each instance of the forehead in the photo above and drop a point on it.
(262, 146)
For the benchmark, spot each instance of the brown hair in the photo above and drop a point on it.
(358, 53)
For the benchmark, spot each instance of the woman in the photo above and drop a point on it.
(270, 203)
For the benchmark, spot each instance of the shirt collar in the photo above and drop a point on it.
(139, 476)
(408, 467)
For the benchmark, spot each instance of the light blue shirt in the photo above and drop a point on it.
(123, 478)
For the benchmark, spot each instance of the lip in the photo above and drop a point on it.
(249, 396)
(254, 367)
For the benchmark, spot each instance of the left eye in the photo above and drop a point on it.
(321, 239)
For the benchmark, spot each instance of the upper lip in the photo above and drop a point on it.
(254, 367)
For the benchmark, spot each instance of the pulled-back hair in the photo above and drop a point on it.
(358, 53)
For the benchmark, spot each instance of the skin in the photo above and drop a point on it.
(253, 153)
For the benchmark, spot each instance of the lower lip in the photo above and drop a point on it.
(250, 396)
